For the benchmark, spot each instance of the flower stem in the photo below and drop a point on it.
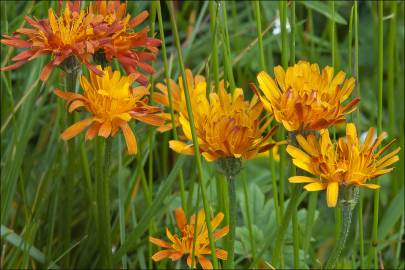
(232, 221)
(193, 134)
(169, 93)
(347, 205)
(70, 84)
(103, 155)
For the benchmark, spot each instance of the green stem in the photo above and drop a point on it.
(193, 134)
(169, 93)
(259, 34)
(282, 229)
(232, 221)
(379, 128)
(226, 46)
(313, 199)
(347, 205)
(361, 233)
(214, 47)
(274, 187)
(103, 154)
(70, 84)
(249, 220)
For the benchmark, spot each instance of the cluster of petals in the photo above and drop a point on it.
(227, 125)
(304, 98)
(103, 28)
(183, 245)
(346, 162)
(112, 103)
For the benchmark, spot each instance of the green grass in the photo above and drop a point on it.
(55, 196)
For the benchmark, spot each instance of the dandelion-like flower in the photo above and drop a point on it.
(345, 163)
(132, 49)
(197, 88)
(303, 98)
(227, 125)
(72, 34)
(112, 102)
(104, 29)
(183, 245)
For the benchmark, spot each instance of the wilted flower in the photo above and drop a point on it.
(183, 245)
(112, 103)
(226, 125)
(345, 163)
(303, 98)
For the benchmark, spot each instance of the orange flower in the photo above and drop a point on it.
(104, 28)
(113, 103)
(306, 99)
(183, 245)
(345, 163)
(227, 125)
(196, 86)
(71, 34)
(132, 49)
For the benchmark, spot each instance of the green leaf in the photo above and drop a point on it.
(391, 215)
(324, 10)
(143, 224)
(14, 239)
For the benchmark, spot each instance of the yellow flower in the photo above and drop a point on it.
(112, 103)
(345, 163)
(306, 99)
(226, 125)
(183, 245)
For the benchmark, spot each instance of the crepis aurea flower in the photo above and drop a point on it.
(112, 102)
(82, 34)
(227, 125)
(182, 245)
(344, 163)
(303, 98)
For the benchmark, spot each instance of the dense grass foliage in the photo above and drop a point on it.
(50, 199)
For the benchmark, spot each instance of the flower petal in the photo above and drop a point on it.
(302, 179)
(180, 218)
(159, 242)
(76, 128)
(315, 186)
(160, 255)
(204, 262)
(332, 193)
(130, 138)
(181, 148)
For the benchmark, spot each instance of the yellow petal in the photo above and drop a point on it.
(332, 193)
(316, 186)
(298, 154)
(371, 186)
(268, 86)
(306, 146)
(302, 179)
(217, 220)
(181, 148)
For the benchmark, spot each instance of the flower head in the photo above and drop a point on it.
(132, 49)
(345, 163)
(303, 98)
(182, 245)
(82, 34)
(227, 125)
(71, 34)
(112, 103)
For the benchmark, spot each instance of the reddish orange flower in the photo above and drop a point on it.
(112, 103)
(70, 34)
(103, 28)
(132, 49)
